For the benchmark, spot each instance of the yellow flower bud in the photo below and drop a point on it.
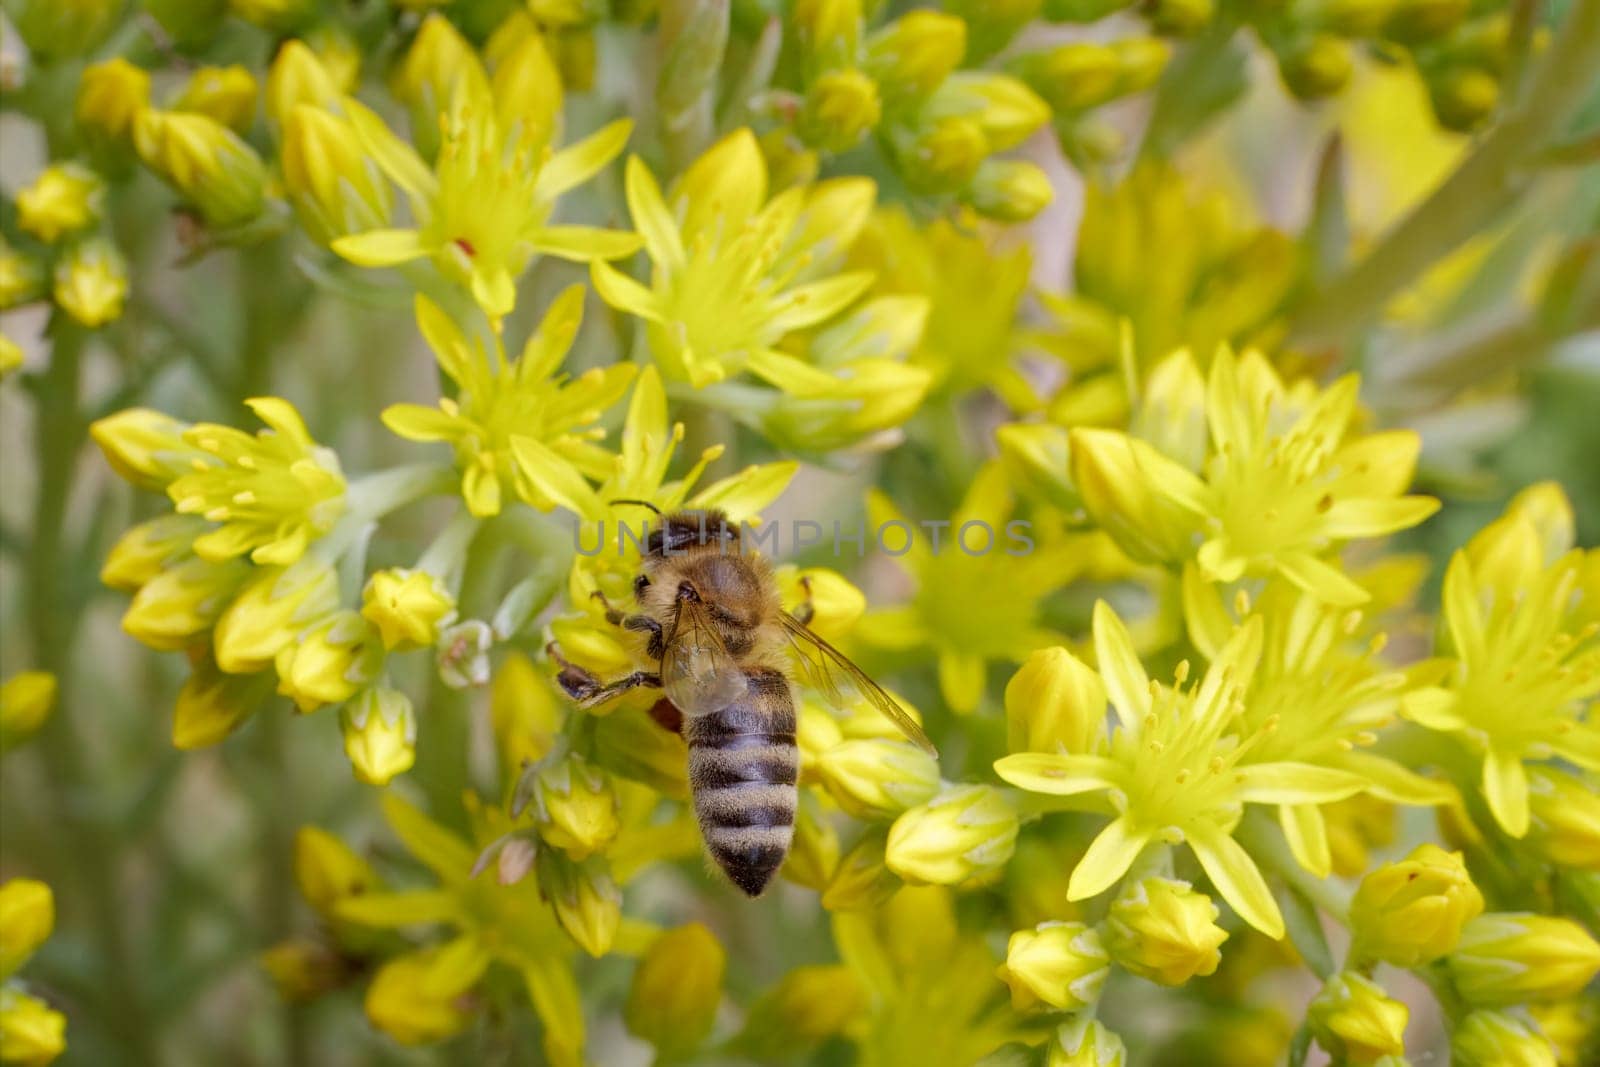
(1009, 190)
(149, 548)
(1517, 957)
(303, 970)
(407, 606)
(26, 700)
(271, 611)
(1110, 471)
(1411, 913)
(110, 95)
(629, 743)
(1164, 930)
(181, 603)
(837, 605)
(1316, 66)
(335, 189)
(27, 915)
(875, 396)
(424, 80)
(1180, 18)
(1056, 966)
(297, 76)
(841, 106)
(227, 94)
(814, 851)
(272, 14)
(1565, 818)
(912, 55)
(1355, 1021)
(421, 997)
(575, 807)
(676, 989)
(205, 162)
(829, 31)
(966, 832)
(1463, 97)
(211, 704)
(64, 198)
(1569, 1026)
(861, 879)
(1006, 109)
(145, 447)
(527, 91)
(1055, 703)
(380, 734)
(1074, 76)
(942, 156)
(31, 1032)
(21, 277)
(327, 870)
(338, 52)
(1415, 21)
(586, 901)
(524, 711)
(1034, 456)
(92, 282)
(331, 663)
(878, 778)
(192, 24)
(1495, 1039)
(1085, 1043)
(1172, 410)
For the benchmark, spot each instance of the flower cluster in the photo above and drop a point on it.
(1253, 728)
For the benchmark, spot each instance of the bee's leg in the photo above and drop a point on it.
(587, 690)
(807, 608)
(637, 623)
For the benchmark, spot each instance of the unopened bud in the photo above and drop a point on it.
(205, 162)
(1515, 958)
(145, 447)
(331, 662)
(335, 188)
(183, 602)
(271, 612)
(574, 806)
(298, 76)
(1085, 1043)
(586, 901)
(21, 277)
(1464, 97)
(1354, 1020)
(64, 198)
(676, 989)
(380, 734)
(841, 106)
(407, 606)
(1410, 913)
(966, 832)
(27, 915)
(92, 282)
(1180, 18)
(1010, 190)
(26, 699)
(421, 997)
(227, 94)
(912, 55)
(1056, 966)
(879, 779)
(1565, 818)
(1496, 1039)
(213, 704)
(1164, 930)
(1317, 66)
(327, 870)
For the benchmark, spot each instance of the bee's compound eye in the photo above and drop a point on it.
(687, 592)
(640, 584)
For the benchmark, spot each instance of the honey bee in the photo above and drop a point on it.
(724, 646)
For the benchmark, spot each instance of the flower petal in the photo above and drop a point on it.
(1434, 708)
(416, 422)
(577, 163)
(1505, 787)
(1108, 858)
(1581, 745)
(1126, 682)
(1463, 609)
(742, 496)
(1058, 775)
(622, 292)
(1388, 780)
(794, 376)
(381, 248)
(810, 304)
(650, 216)
(413, 907)
(1235, 876)
(1321, 579)
(443, 852)
(585, 244)
(961, 680)
(554, 477)
(1352, 518)
(393, 156)
(1307, 833)
(1295, 783)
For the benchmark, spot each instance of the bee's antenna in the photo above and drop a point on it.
(640, 503)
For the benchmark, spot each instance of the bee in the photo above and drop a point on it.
(724, 647)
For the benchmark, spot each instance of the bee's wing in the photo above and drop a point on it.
(825, 668)
(698, 673)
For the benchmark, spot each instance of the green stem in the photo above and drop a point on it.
(372, 496)
(1490, 178)
(59, 435)
(1257, 834)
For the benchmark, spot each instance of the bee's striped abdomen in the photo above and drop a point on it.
(742, 769)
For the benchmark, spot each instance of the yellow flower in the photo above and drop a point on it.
(327, 870)
(64, 198)
(1326, 695)
(1055, 702)
(380, 734)
(525, 712)
(271, 611)
(1163, 930)
(145, 447)
(422, 997)
(1285, 482)
(298, 77)
(527, 400)
(504, 924)
(1410, 913)
(27, 915)
(1175, 770)
(1519, 611)
(809, 1005)
(332, 662)
(227, 94)
(1517, 957)
(483, 209)
(736, 272)
(574, 806)
(31, 1032)
(92, 282)
(407, 606)
(965, 832)
(212, 704)
(110, 95)
(979, 581)
(26, 700)
(974, 293)
(1085, 1042)
(205, 162)
(272, 494)
(911, 56)
(1496, 1039)
(183, 602)
(146, 550)
(676, 989)
(1056, 966)
(1356, 1022)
